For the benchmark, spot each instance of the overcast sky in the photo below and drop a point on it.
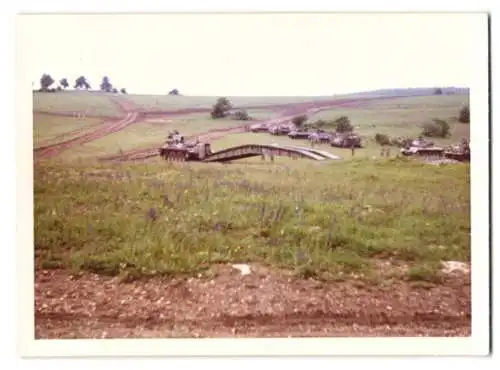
(253, 54)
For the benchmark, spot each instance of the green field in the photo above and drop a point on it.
(70, 102)
(404, 117)
(331, 221)
(48, 128)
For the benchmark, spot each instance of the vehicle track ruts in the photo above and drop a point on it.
(54, 149)
(135, 114)
(75, 132)
(73, 115)
(286, 115)
(131, 116)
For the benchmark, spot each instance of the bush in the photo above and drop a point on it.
(437, 128)
(382, 139)
(464, 115)
(241, 115)
(299, 121)
(343, 124)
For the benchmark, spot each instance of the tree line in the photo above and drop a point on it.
(81, 83)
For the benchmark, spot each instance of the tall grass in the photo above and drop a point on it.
(329, 220)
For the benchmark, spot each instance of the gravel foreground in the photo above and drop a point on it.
(265, 303)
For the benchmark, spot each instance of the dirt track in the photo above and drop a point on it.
(263, 304)
(286, 115)
(134, 114)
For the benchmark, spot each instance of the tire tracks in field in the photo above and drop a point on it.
(134, 114)
(131, 116)
(289, 112)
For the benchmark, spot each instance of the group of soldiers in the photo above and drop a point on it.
(175, 138)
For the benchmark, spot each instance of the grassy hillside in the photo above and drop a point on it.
(327, 221)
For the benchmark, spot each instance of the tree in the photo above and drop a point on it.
(123, 90)
(45, 81)
(59, 88)
(299, 121)
(343, 124)
(81, 83)
(438, 91)
(221, 108)
(64, 83)
(436, 128)
(114, 90)
(173, 92)
(464, 115)
(106, 85)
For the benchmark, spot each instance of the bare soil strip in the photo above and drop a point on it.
(266, 303)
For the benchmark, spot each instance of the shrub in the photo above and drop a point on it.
(382, 139)
(437, 128)
(343, 124)
(464, 115)
(299, 121)
(241, 115)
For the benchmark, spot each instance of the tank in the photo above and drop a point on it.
(346, 140)
(175, 149)
(296, 134)
(460, 152)
(279, 130)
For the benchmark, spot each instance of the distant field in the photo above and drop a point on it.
(173, 102)
(97, 103)
(71, 102)
(49, 128)
(404, 117)
(399, 117)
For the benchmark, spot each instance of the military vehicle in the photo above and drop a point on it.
(259, 127)
(460, 152)
(297, 134)
(421, 147)
(346, 140)
(279, 130)
(196, 151)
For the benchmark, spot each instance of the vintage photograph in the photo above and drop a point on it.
(251, 175)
